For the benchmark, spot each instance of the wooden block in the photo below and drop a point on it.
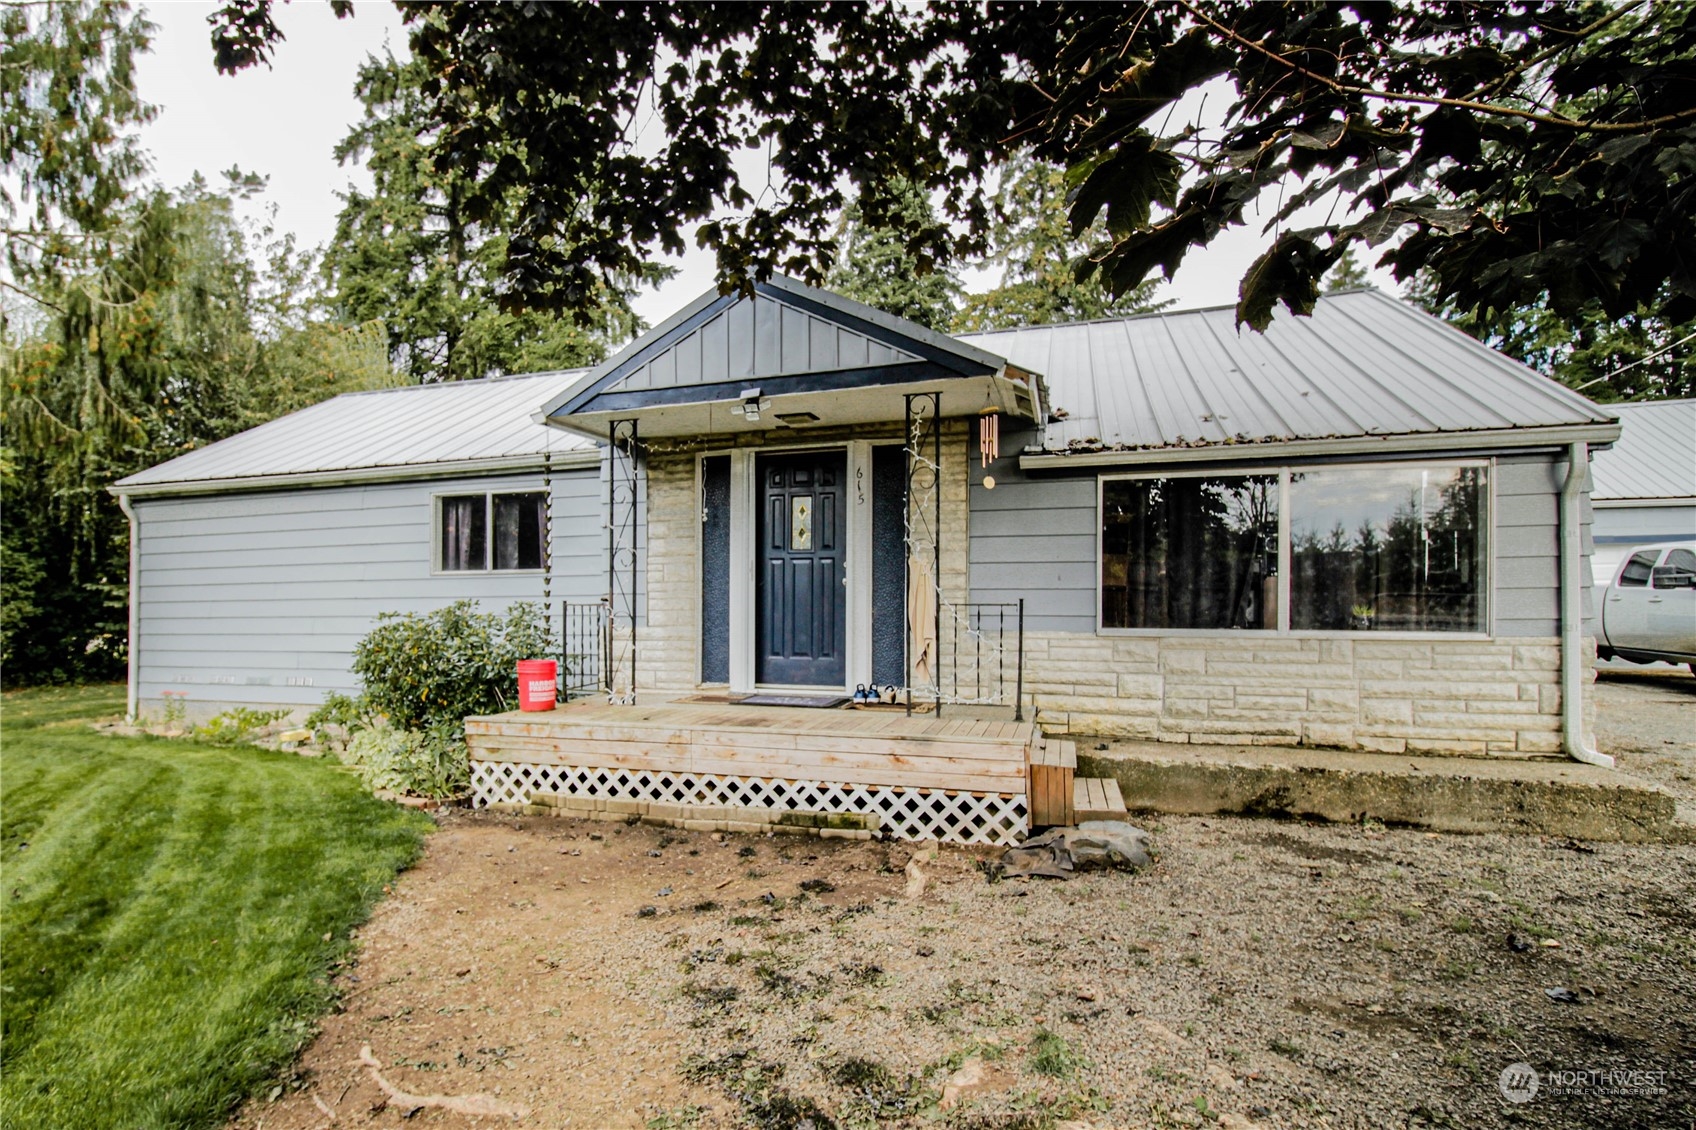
(1098, 798)
(1115, 798)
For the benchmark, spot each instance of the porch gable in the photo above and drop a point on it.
(694, 373)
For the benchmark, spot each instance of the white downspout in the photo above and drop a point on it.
(132, 701)
(1573, 585)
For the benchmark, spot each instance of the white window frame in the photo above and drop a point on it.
(488, 568)
(1283, 471)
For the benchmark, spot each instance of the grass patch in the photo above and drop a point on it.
(171, 923)
(1050, 1055)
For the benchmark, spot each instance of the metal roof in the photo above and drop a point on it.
(1364, 365)
(360, 435)
(1654, 457)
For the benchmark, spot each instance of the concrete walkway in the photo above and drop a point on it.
(1445, 794)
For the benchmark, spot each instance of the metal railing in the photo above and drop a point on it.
(584, 644)
(984, 662)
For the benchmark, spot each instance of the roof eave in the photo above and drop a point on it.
(360, 476)
(1403, 443)
(1644, 502)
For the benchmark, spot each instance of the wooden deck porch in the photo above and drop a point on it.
(963, 778)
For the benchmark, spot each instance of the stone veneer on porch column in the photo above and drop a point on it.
(668, 644)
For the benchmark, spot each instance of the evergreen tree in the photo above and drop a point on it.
(178, 340)
(1348, 274)
(876, 263)
(68, 108)
(1031, 237)
(413, 254)
(1644, 355)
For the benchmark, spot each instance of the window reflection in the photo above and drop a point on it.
(1387, 549)
(1190, 552)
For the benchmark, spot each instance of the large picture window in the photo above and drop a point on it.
(1190, 552)
(1387, 548)
(479, 532)
(1327, 549)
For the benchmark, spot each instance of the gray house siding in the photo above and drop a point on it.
(1527, 553)
(259, 598)
(1035, 537)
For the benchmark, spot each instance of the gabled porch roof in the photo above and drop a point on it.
(787, 356)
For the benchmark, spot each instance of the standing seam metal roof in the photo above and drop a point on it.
(1655, 455)
(1364, 364)
(398, 427)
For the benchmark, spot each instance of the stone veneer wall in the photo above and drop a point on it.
(668, 643)
(668, 648)
(1499, 697)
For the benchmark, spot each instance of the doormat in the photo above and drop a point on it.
(815, 701)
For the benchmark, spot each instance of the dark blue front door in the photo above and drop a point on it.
(802, 599)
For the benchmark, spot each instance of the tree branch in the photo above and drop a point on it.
(1578, 37)
(1436, 100)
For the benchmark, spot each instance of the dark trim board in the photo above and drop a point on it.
(872, 377)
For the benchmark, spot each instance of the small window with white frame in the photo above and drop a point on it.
(501, 532)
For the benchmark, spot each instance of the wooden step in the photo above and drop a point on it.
(1097, 798)
(1054, 764)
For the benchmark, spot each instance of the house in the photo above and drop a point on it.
(1361, 530)
(257, 563)
(1644, 486)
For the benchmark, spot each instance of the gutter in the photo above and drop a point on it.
(1398, 444)
(132, 697)
(398, 473)
(1641, 503)
(1573, 586)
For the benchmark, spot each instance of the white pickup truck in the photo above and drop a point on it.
(1649, 611)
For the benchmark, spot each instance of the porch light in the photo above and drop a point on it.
(752, 405)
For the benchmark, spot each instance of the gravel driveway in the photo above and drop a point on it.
(1262, 973)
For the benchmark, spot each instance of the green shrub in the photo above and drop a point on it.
(338, 709)
(431, 669)
(432, 762)
(239, 724)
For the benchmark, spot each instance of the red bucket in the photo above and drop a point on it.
(536, 688)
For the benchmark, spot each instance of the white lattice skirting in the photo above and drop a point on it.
(903, 812)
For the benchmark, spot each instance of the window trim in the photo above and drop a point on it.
(488, 569)
(1282, 471)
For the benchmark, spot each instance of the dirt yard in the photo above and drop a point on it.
(1260, 974)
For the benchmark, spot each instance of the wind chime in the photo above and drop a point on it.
(989, 441)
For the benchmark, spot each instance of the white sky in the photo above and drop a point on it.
(284, 123)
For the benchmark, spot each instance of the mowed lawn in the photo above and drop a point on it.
(169, 914)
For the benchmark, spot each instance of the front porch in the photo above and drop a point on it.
(974, 776)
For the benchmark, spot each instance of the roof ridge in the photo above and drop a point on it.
(470, 382)
(1163, 314)
(1647, 403)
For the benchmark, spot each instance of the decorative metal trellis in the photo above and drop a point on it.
(921, 515)
(976, 652)
(623, 560)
